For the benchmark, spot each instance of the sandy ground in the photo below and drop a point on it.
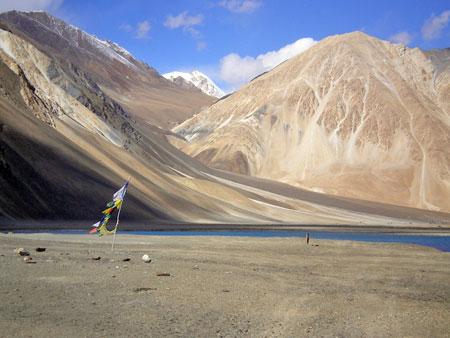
(218, 286)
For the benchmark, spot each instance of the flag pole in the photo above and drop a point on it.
(117, 221)
(115, 229)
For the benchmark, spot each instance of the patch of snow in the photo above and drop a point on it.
(199, 80)
(74, 35)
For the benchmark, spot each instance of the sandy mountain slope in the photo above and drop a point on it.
(66, 146)
(135, 85)
(352, 116)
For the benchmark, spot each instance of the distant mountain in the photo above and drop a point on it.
(198, 80)
(139, 88)
(352, 116)
(78, 115)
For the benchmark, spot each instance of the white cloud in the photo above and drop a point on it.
(240, 6)
(29, 5)
(432, 28)
(126, 28)
(236, 70)
(187, 23)
(401, 37)
(142, 30)
(183, 20)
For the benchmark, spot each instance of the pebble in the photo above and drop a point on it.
(28, 260)
(96, 258)
(143, 289)
(146, 258)
(163, 274)
(40, 249)
(21, 252)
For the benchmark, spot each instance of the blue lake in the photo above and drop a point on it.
(439, 242)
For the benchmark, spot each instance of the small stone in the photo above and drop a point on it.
(163, 274)
(225, 290)
(126, 259)
(146, 258)
(28, 260)
(40, 249)
(21, 252)
(143, 289)
(96, 258)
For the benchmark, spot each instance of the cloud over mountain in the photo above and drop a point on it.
(433, 27)
(401, 37)
(237, 70)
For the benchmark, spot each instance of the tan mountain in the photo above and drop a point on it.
(352, 116)
(135, 85)
(66, 145)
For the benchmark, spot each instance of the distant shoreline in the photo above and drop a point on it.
(145, 226)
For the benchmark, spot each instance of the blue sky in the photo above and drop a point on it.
(185, 35)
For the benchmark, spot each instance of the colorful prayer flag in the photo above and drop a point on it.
(101, 227)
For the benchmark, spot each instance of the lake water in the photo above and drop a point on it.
(439, 242)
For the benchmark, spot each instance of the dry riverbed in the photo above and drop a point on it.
(221, 286)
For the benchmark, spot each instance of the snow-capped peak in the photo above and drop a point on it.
(197, 79)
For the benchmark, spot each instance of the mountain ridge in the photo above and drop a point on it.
(66, 145)
(351, 116)
(198, 80)
(138, 87)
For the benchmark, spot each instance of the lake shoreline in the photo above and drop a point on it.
(145, 226)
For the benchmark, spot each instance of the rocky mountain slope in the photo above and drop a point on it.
(136, 86)
(196, 79)
(66, 145)
(352, 116)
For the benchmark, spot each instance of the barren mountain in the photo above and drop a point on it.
(352, 116)
(136, 86)
(66, 145)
